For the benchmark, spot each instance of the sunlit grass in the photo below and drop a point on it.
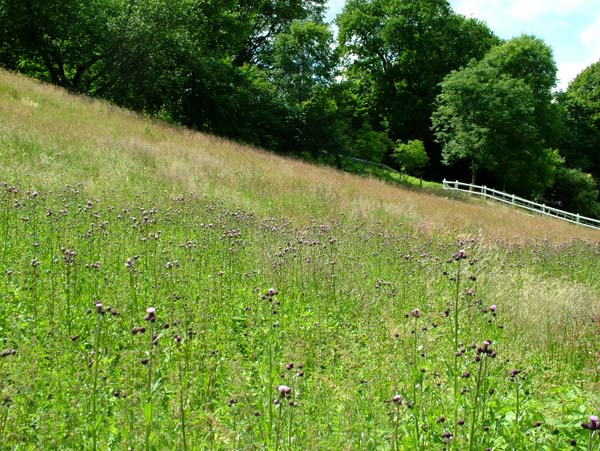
(164, 289)
(52, 138)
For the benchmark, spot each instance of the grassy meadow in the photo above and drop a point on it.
(162, 289)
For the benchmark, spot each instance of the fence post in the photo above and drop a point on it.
(513, 199)
(577, 218)
(544, 208)
(456, 184)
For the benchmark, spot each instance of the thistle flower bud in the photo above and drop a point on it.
(460, 255)
(284, 391)
(150, 314)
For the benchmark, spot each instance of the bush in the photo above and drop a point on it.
(411, 157)
(574, 191)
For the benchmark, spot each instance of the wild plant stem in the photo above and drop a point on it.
(290, 422)
(517, 412)
(475, 402)
(95, 378)
(415, 382)
(3, 424)
(396, 426)
(182, 403)
(270, 379)
(149, 387)
(455, 342)
(279, 426)
(68, 293)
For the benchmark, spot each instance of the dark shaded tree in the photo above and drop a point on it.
(264, 20)
(580, 108)
(65, 42)
(574, 191)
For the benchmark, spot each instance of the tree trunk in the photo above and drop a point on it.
(474, 167)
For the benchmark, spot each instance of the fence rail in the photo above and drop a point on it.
(521, 203)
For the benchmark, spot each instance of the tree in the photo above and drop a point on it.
(575, 191)
(580, 107)
(411, 157)
(152, 63)
(65, 42)
(399, 51)
(303, 59)
(493, 113)
(263, 20)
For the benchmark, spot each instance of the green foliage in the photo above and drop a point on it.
(303, 59)
(64, 41)
(526, 58)
(261, 21)
(398, 52)
(494, 117)
(370, 144)
(580, 108)
(575, 191)
(586, 87)
(152, 63)
(411, 156)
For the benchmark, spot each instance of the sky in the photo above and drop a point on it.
(570, 27)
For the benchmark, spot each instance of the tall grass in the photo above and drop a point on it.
(53, 139)
(164, 289)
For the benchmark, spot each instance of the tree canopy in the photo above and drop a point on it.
(400, 50)
(580, 108)
(494, 114)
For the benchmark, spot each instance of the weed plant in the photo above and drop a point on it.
(286, 307)
(185, 324)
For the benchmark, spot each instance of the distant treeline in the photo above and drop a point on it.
(406, 82)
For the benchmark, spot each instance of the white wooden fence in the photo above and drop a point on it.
(521, 203)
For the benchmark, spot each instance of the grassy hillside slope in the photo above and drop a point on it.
(50, 139)
(163, 289)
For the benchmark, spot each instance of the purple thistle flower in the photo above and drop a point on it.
(460, 255)
(284, 391)
(150, 314)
